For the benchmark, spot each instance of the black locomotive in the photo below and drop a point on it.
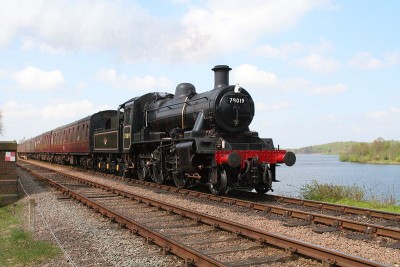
(188, 137)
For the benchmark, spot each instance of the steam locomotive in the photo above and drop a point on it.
(189, 138)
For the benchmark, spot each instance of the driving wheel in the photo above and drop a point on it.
(143, 170)
(180, 180)
(217, 181)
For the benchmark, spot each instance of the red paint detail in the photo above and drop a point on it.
(264, 156)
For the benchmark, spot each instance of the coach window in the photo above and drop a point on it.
(83, 132)
(107, 124)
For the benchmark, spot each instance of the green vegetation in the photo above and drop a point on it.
(17, 247)
(379, 151)
(347, 195)
(336, 148)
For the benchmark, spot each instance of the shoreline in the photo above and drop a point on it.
(373, 162)
(360, 162)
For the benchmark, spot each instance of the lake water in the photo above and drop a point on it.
(377, 180)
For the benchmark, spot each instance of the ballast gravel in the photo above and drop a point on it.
(366, 249)
(87, 238)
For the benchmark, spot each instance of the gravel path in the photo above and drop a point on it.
(87, 237)
(365, 249)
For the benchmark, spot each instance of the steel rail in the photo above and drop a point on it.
(335, 207)
(312, 217)
(282, 199)
(290, 245)
(167, 244)
(340, 223)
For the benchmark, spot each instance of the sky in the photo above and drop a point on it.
(319, 71)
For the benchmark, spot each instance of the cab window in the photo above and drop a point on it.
(127, 116)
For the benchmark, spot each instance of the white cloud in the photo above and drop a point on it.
(21, 119)
(316, 56)
(324, 46)
(63, 26)
(208, 29)
(64, 110)
(392, 112)
(295, 48)
(14, 110)
(300, 84)
(222, 27)
(331, 89)
(296, 84)
(275, 106)
(28, 44)
(367, 61)
(70, 110)
(35, 78)
(318, 63)
(279, 52)
(81, 86)
(249, 76)
(329, 118)
(118, 80)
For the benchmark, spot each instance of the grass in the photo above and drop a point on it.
(347, 195)
(17, 246)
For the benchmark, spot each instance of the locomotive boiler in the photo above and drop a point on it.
(187, 137)
(226, 108)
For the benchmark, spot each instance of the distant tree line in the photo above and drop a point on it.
(379, 151)
(335, 148)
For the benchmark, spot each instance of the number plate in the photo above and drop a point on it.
(236, 100)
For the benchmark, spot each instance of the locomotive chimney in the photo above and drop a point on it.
(221, 76)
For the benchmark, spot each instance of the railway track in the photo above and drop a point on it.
(368, 223)
(360, 222)
(177, 230)
(324, 217)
